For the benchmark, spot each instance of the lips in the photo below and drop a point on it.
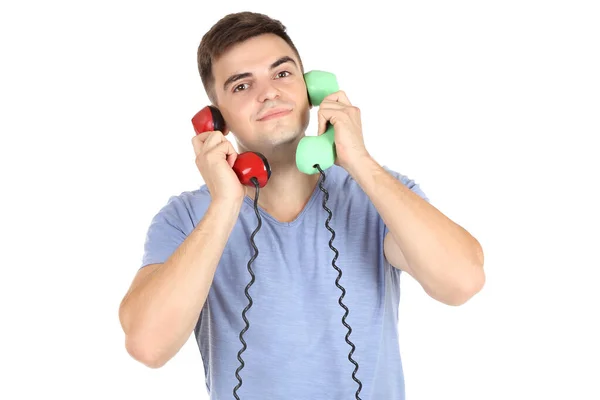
(275, 113)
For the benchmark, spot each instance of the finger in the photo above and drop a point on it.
(328, 115)
(225, 149)
(204, 136)
(201, 137)
(351, 111)
(339, 96)
(231, 155)
(333, 105)
(199, 142)
(322, 122)
(214, 138)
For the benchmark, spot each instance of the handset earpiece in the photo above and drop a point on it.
(317, 150)
(248, 166)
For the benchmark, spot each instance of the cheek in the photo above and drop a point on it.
(301, 96)
(240, 114)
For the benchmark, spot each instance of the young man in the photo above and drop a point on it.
(195, 264)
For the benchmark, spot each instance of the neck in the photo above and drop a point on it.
(288, 190)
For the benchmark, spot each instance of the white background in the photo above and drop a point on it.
(493, 107)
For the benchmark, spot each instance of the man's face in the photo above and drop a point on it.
(255, 79)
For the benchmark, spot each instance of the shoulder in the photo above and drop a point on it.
(345, 182)
(171, 224)
(185, 209)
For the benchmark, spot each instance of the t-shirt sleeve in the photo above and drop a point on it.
(166, 232)
(409, 183)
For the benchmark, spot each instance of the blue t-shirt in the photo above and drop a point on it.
(296, 342)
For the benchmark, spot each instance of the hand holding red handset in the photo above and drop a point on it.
(246, 166)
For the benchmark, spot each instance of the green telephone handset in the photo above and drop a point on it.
(313, 150)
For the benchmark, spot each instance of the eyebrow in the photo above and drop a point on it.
(237, 77)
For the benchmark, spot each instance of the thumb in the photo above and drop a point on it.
(322, 120)
(231, 158)
(228, 152)
(231, 155)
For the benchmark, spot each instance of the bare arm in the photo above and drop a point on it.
(441, 255)
(162, 306)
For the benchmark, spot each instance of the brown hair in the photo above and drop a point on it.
(230, 30)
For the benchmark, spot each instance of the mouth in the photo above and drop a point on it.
(275, 113)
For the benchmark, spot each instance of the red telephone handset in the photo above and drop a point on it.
(247, 165)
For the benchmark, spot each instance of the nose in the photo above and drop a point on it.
(267, 92)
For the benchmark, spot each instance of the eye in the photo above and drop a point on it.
(239, 87)
(284, 73)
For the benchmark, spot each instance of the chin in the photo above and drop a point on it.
(282, 140)
(279, 136)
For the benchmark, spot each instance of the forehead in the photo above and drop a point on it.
(252, 55)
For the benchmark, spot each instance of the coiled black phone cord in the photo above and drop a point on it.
(326, 197)
(250, 302)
